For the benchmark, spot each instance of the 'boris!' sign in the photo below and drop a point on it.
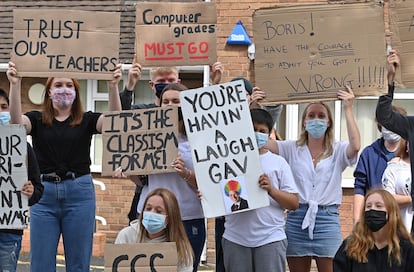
(140, 141)
(169, 34)
(69, 43)
(14, 212)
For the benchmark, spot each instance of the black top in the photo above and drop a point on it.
(377, 260)
(33, 174)
(126, 101)
(61, 147)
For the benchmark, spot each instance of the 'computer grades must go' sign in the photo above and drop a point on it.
(14, 212)
(307, 53)
(170, 34)
(65, 43)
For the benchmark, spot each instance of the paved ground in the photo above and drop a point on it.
(97, 264)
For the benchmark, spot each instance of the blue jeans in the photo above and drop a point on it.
(196, 233)
(66, 208)
(10, 245)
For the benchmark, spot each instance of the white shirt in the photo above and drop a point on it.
(320, 185)
(397, 180)
(263, 225)
(190, 205)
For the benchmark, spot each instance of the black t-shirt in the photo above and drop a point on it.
(62, 147)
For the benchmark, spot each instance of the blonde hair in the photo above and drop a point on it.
(329, 133)
(362, 240)
(163, 71)
(175, 228)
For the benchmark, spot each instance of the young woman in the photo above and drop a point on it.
(317, 163)
(61, 135)
(160, 221)
(380, 241)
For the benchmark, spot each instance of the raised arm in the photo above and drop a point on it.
(134, 74)
(347, 97)
(388, 118)
(15, 99)
(114, 102)
(216, 71)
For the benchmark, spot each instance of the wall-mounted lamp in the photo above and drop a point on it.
(250, 51)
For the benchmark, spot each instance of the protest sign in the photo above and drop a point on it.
(140, 141)
(65, 43)
(169, 34)
(141, 257)
(223, 147)
(307, 53)
(14, 213)
(402, 38)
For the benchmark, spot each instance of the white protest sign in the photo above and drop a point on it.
(223, 147)
(14, 213)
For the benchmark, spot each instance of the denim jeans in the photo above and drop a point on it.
(66, 208)
(196, 233)
(10, 245)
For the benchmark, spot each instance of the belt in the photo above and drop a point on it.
(53, 177)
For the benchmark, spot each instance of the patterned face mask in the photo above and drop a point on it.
(63, 97)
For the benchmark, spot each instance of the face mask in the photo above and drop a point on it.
(158, 88)
(63, 97)
(153, 222)
(261, 139)
(390, 136)
(375, 219)
(316, 127)
(4, 118)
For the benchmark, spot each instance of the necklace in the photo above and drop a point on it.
(317, 157)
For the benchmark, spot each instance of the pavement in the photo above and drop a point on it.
(97, 264)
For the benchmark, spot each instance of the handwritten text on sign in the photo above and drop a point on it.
(309, 53)
(160, 257)
(140, 141)
(14, 213)
(79, 44)
(176, 33)
(219, 128)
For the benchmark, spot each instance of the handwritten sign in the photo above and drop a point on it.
(310, 52)
(14, 213)
(169, 34)
(65, 43)
(142, 257)
(140, 141)
(402, 29)
(223, 146)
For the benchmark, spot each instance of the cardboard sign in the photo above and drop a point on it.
(402, 29)
(141, 257)
(170, 34)
(223, 147)
(140, 141)
(308, 53)
(14, 212)
(65, 43)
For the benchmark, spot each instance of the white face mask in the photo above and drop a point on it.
(390, 136)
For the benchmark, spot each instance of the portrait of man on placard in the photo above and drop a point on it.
(234, 201)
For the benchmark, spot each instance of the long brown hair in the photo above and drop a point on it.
(175, 228)
(329, 133)
(362, 240)
(49, 112)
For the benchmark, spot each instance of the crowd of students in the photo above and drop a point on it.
(302, 177)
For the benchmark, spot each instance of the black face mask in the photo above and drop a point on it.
(375, 219)
(159, 87)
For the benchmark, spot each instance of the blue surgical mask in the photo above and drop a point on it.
(316, 127)
(153, 222)
(261, 139)
(390, 136)
(4, 118)
(159, 87)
